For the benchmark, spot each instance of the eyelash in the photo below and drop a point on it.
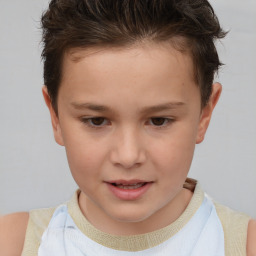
(88, 122)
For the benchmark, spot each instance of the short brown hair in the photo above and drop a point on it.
(71, 24)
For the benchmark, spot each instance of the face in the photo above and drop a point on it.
(129, 120)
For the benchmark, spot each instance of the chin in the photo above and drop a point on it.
(129, 216)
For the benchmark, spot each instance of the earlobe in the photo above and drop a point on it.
(207, 112)
(54, 118)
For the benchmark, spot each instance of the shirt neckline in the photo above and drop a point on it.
(142, 241)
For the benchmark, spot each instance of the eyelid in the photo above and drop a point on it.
(168, 119)
(87, 121)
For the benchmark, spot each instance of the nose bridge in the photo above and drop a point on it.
(128, 148)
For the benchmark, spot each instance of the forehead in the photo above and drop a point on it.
(154, 69)
(151, 54)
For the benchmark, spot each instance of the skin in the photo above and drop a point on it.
(12, 232)
(127, 144)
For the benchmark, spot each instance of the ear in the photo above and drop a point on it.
(54, 118)
(207, 112)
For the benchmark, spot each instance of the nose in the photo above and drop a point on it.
(128, 150)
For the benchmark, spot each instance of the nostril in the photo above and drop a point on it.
(127, 157)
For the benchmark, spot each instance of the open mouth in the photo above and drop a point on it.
(129, 189)
(129, 186)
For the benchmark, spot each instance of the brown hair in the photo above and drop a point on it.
(71, 24)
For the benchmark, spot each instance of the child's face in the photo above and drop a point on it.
(129, 120)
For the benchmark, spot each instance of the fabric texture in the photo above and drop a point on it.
(235, 227)
(203, 235)
(232, 223)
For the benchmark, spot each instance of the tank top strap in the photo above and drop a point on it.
(235, 226)
(202, 235)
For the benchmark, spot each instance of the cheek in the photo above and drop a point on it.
(175, 152)
(85, 163)
(85, 156)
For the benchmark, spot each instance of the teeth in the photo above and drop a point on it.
(132, 186)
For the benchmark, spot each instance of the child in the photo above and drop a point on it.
(129, 86)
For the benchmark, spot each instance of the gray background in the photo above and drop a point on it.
(33, 168)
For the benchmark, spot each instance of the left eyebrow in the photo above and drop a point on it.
(162, 107)
(144, 110)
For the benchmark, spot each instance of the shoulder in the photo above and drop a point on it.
(12, 231)
(235, 228)
(251, 238)
(232, 220)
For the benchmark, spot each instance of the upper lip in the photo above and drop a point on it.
(127, 182)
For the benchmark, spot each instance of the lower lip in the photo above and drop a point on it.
(129, 194)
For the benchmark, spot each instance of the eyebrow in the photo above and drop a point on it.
(162, 107)
(144, 110)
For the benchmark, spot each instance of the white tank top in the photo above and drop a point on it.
(202, 235)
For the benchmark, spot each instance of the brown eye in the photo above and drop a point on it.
(97, 121)
(158, 121)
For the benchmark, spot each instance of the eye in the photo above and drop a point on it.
(160, 121)
(95, 122)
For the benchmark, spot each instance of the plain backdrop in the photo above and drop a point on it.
(33, 169)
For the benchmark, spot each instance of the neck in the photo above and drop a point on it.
(160, 219)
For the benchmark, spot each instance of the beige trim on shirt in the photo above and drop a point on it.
(234, 225)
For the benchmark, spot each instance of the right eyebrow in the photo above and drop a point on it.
(90, 106)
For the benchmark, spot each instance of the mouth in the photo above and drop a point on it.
(129, 186)
(129, 190)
